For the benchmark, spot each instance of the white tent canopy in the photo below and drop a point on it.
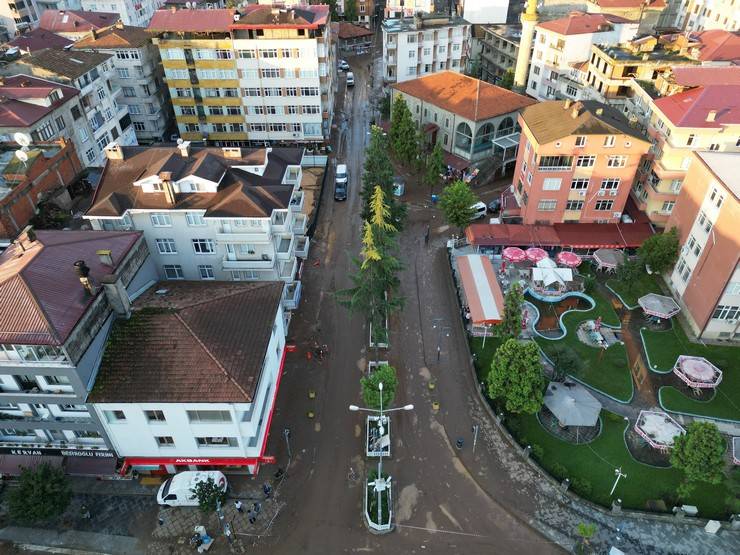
(548, 276)
(572, 404)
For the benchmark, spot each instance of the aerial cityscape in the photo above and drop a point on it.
(341, 276)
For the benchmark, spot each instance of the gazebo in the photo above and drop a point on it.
(658, 429)
(548, 279)
(572, 404)
(608, 259)
(697, 372)
(659, 306)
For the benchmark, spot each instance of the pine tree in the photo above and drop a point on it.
(511, 324)
(378, 170)
(404, 141)
(507, 79)
(435, 167)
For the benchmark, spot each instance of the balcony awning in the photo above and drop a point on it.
(507, 142)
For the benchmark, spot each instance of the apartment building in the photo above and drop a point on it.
(473, 121)
(424, 44)
(484, 12)
(208, 402)
(706, 278)
(137, 14)
(702, 118)
(705, 15)
(18, 16)
(58, 294)
(562, 48)
(577, 163)
(395, 9)
(92, 74)
(138, 75)
(209, 213)
(75, 24)
(645, 13)
(250, 77)
(499, 49)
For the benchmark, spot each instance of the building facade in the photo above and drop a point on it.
(138, 75)
(644, 12)
(395, 9)
(706, 278)
(577, 163)
(137, 14)
(424, 44)
(484, 12)
(499, 49)
(705, 15)
(237, 80)
(55, 319)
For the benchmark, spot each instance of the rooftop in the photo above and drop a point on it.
(426, 21)
(580, 23)
(263, 15)
(41, 298)
(20, 96)
(190, 342)
(75, 21)
(626, 4)
(465, 96)
(717, 45)
(512, 33)
(621, 53)
(709, 106)
(694, 76)
(724, 166)
(115, 36)
(13, 170)
(241, 193)
(553, 119)
(192, 21)
(67, 64)
(349, 31)
(38, 39)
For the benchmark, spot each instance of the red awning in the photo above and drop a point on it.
(11, 464)
(456, 162)
(430, 127)
(482, 291)
(574, 236)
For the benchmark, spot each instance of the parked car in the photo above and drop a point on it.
(479, 209)
(350, 79)
(343, 65)
(177, 491)
(494, 206)
(341, 182)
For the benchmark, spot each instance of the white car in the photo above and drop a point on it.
(343, 65)
(350, 79)
(479, 210)
(177, 491)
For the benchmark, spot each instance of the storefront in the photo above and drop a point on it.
(171, 465)
(76, 462)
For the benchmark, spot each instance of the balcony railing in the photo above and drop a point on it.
(247, 263)
(301, 246)
(299, 224)
(296, 201)
(284, 247)
(288, 269)
(292, 295)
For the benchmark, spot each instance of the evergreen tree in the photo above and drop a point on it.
(371, 394)
(435, 167)
(511, 324)
(516, 377)
(456, 203)
(507, 79)
(350, 10)
(378, 170)
(42, 493)
(660, 251)
(333, 10)
(700, 453)
(404, 141)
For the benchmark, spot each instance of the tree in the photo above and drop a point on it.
(474, 67)
(511, 324)
(333, 10)
(208, 494)
(629, 273)
(385, 106)
(386, 375)
(456, 203)
(350, 10)
(507, 79)
(435, 167)
(378, 170)
(404, 141)
(585, 532)
(565, 360)
(42, 493)
(660, 251)
(516, 377)
(699, 453)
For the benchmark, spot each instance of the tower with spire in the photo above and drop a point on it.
(529, 20)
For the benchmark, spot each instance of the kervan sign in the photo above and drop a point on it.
(44, 451)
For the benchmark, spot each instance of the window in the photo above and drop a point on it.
(585, 161)
(610, 184)
(704, 222)
(570, 90)
(412, 53)
(676, 185)
(76, 114)
(581, 140)
(217, 442)
(690, 140)
(273, 91)
(546, 205)
(101, 93)
(427, 51)
(726, 312)
(714, 146)
(268, 52)
(524, 167)
(46, 131)
(209, 416)
(173, 271)
(113, 416)
(616, 161)
(122, 72)
(555, 163)
(155, 416)
(604, 205)
(609, 141)
(166, 246)
(206, 271)
(717, 198)
(309, 91)
(223, 54)
(130, 92)
(204, 246)
(248, 54)
(160, 220)
(574, 205)
(165, 441)
(270, 73)
(60, 123)
(668, 206)
(551, 184)
(90, 154)
(73, 408)
(579, 184)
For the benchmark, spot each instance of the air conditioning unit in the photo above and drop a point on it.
(613, 193)
(617, 215)
(601, 192)
(582, 193)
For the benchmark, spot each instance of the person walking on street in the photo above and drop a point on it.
(257, 508)
(238, 505)
(426, 235)
(267, 489)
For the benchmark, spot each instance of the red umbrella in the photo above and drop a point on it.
(567, 258)
(514, 254)
(535, 254)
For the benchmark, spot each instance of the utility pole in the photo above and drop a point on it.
(618, 473)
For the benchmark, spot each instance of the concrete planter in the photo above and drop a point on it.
(374, 364)
(385, 498)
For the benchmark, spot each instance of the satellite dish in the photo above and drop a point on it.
(180, 141)
(23, 139)
(189, 5)
(21, 155)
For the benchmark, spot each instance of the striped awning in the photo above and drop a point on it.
(482, 290)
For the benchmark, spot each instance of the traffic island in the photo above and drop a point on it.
(378, 503)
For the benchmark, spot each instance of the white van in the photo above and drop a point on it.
(177, 491)
(479, 210)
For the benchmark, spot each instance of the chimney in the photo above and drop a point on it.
(711, 115)
(29, 234)
(83, 272)
(93, 33)
(231, 152)
(116, 294)
(167, 188)
(599, 111)
(113, 151)
(119, 24)
(184, 148)
(575, 112)
(105, 256)
(173, 9)
(567, 104)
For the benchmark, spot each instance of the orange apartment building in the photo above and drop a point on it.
(706, 278)
(577, 162)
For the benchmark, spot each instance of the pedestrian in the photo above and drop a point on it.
(227, 532)
(238, 505)
(84, 512)
(426, 236)
(267, 489)
(257, 508)
(160, 521)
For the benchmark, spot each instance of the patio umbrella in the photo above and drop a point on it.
(514, 254)
(572, 404)
(567, 258)
(535, 254)
(597, 324)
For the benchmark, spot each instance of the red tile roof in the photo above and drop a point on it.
(706, 75)
(691, 108)
(626, 4)
(41, 298)
(38, 39)
(465, 96)
(717, 45)
(198, 342)
(75, 21)
(116, 36)
(350, 31)
(17, 90)
(577, 236)
(193, 21)
(256, 16)
(579, 23)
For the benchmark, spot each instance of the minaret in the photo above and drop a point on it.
(529, 20)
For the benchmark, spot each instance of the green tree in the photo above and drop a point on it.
(435, 167)
(699, 453)
(629, 273)
(208, 494)
(404, 141)
(378, 170)
(456, 203)
(660, 251)
(350, 10)
(386, 375)
(385, 107)
(507, 79)
(516, 377)
(474, 67)
(586, 532)
(565, 360)
(511, 324)
(42, 493)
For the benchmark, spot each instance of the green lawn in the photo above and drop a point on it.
(663, 349)
(483, 357)
(646, 284)
(594, 463)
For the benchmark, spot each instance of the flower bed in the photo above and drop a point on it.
(372, 498)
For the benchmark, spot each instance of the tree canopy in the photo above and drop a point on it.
(565, 360)
(456, 202)
(208, 494)
(350, 10)
(516, 377)
(404, 140)
(660, 251)
(511, 324)
(386, 375)
(435, 166)
(378, 171)
(699, 453)
(42, 493)
(507, 79)
(629, 273)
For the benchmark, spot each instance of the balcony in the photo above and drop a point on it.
(301, 246)
(287, 269)
(292, 295)
(296, 201)
(299, 224)
(284, 247)
(235, 262)
(228, 234)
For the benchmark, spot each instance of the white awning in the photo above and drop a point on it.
(508, 141)
(549, 276)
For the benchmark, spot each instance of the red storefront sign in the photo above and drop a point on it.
(212, 461)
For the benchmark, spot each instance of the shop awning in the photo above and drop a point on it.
(456, 162)
(11, 464)
(482, 291)
(573, 236)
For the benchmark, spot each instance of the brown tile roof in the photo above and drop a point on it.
(75, 21)
(62, 62)
(260, 15)
(579, 23)
(198, 342)
(553, 119)
(240, 193)
(41, 298)
(717, 45)
(193, 21)
(16, 93)
(465, 96)
(38, 39)
(115, 36)
(350, 31)
(651, 4)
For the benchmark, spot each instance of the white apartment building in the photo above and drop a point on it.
(484, 12)
(562, 48)
(226, 214)
(703, 15)
(407, 8)
(92, 74)
(425, 44)
(207, 403)
(137, 13)
(138, 75)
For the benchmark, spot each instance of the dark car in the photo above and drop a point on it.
(341, 182)
(494, 206)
